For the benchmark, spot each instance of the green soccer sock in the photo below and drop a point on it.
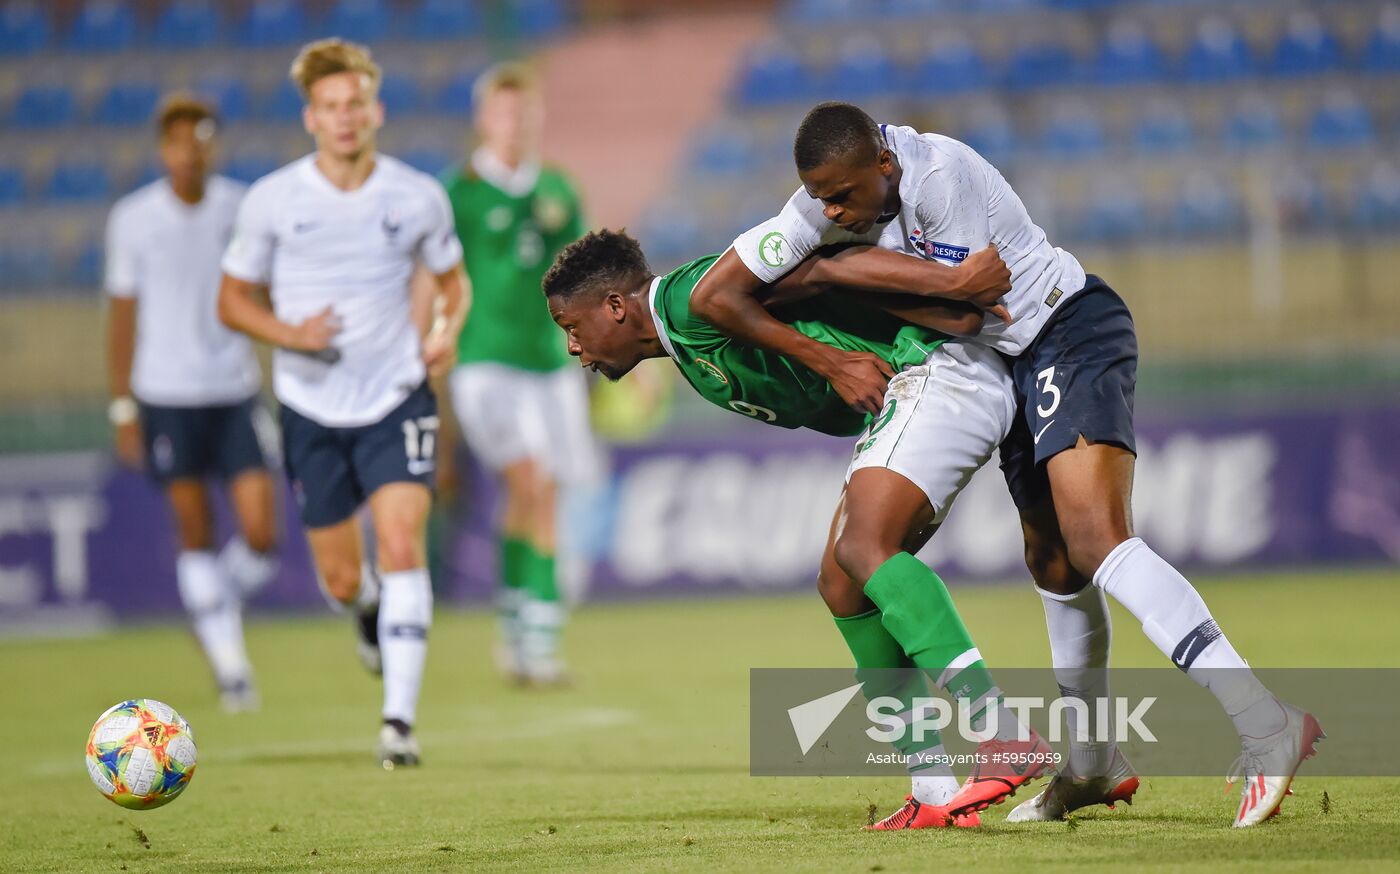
(515, 561)
(540, 579)
(919, 613)
(882, 667)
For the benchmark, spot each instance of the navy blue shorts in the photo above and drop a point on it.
(1077, 379)
(199, 442)
(334, 470)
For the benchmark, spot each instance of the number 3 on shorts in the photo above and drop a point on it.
(1045, 382)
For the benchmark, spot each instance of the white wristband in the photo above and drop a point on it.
(122, 411)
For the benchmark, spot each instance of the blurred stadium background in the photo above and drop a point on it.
(1232, 167)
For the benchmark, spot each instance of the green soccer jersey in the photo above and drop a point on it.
(509, 242)
(765, 385)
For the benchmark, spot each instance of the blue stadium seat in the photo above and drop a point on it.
(951, 69)
(1164, 131)
(78, 181)
(1302, 205)
(27, 266)
(1218, 54)
(1073, 135)
(24, 28)
(189, 24)
(1341, 122)
(127, 103)
(1377, 200)
(250, 168)
(863, 69)
(1207, 208)
(401, 94)
(726, 149)
(359, 20)
(430, 161)
(42, 106)
(11, 186)
(1041, 65)
(992, 138)
(1253, 125)
(537, 18)
(229, 96)
(145, 175)
(1382, 53)
(915, 8)
(445, 19)
(84, 267)
(827, 11)
(285, 103)
(1113, 214)
(775, 75)
(456, 95)
(273, 23)
(1305, 48)
(103, 25)
(1128, 56)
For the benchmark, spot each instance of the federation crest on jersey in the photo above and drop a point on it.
(711, 370)
(773, 249)
(550, 213)
(945, 252)
(392, 224)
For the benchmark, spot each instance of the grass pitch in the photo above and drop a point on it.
(641, 766)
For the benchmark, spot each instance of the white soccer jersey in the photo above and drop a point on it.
(315, 246)
(165, 253)
(952, 203)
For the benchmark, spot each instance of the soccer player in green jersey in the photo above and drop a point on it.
(947, 407)
(522, 412)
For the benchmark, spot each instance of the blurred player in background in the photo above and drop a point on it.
(184, 387)
(335, 238)
(523, 412)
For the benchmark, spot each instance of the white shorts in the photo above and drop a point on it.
(507, 414)
(941, 421)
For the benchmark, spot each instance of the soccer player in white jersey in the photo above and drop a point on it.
(1069, 464)
(184, 387)
(334, 238)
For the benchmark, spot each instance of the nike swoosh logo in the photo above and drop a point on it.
(1184, 657)
(1042, 431)
(303, 227)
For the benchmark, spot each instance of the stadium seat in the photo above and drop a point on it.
(400, 94)
(78, 181)
(187, 24)
(1207, 208)
(863, 69)
(103, 25)
(1305, 48)
(1218, 54)
(992, 137)
(1382, 53)
(84, 267)
(430, 161)
(1377, 200)
(24, 28)
(272, 23)
(914, 8)
(953, 68)
(250, 167)
(1253, 125)
(1164, 130)
(726, 149)
(1302, 206)
(359, 20)
(774, 75)
(445, 19)
(145, 174)
(456, 95)
(43, 106)
(285, 103)
(229, 96)
(1041, 65)
(11, 186)
(1073, 135)
(537, 18)
(1341, 122)
(826, 11)
(27, 265)
(1128, 56)
(1114, 213)
(127, 103)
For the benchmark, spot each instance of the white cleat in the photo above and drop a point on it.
(1066, 793)
(1267, 765)
(398, 749)
(239, 697)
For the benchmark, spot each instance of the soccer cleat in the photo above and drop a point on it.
(1003, 766)
(915, 814)
(1268, 765)
(398, 748)
(546, 672)
(367, 640)
(1066, 793)
(240, 696)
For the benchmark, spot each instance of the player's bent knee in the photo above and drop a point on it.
(261, 537)
(842, 595)
(1089, 542)
(400, 550)
(861, 555)
(342, 581)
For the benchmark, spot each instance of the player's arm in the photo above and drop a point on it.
(244, 307)
(452, 294)
(120, 281)
(980, 280)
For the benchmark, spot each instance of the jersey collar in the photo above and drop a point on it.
(517, 183)
(656, 319)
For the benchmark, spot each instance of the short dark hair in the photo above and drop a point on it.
(835, 131)
(601, 259)
(181, 106)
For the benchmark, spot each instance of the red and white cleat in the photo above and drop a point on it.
(1267, 765)
(915, 814)
(1003, 766)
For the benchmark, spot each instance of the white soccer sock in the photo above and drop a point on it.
(933, 783)
(540, 622)
(405, 614)
(1080, 636)
(214, 609)
(509, 601)
(247, 568)
(1176, 619)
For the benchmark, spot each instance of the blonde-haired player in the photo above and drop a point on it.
(334, 239)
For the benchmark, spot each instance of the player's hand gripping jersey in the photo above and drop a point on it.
(768, 386)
